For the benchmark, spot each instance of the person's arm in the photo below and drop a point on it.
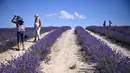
(13, 20)
(40, 23)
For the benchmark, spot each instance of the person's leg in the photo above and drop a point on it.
(23, 45)
(18, 44)
(23, 38)
(39, 33)
(35, 35)
(18, 40)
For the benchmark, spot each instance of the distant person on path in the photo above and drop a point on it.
(104, 23)
(110, 23)
(37, 27)
(20, 30)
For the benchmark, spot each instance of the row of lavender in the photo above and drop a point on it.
(112, 32)
(9, 33)
(123, 29)
(30, 61)
(106, 60)
(8, 36)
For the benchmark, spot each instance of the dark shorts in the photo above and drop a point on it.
(20, 36)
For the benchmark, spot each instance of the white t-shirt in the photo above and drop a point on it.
(36, 23)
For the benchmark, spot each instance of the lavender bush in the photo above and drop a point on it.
(122, 29)
(117, 34)
(30, 61)
(23, 64)
(107, 61)
(42, 47)
(8, 36)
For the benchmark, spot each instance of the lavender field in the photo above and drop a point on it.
(8, 36)
(67, 50)
(119, 33)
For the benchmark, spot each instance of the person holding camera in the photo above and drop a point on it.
(18, 20)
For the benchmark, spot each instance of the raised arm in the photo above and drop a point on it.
(13, 20)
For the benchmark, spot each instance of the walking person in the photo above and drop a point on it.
(110, 23)
(20, 30)
(37, 27)
(104, 23)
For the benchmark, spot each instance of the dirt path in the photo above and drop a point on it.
(7, 54)
(65, 56)
(112, 44)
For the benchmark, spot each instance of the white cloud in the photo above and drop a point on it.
(65, 15)
(49, 15)
(76, 14)
(82, 17)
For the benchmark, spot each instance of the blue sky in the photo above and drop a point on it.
(66, 12)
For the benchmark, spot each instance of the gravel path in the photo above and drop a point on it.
(65, 56)
(7, 55)
(112, 44)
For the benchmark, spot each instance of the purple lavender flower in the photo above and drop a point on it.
(107, 61)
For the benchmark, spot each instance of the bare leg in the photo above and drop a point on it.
(23, 46)
(18, 44)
